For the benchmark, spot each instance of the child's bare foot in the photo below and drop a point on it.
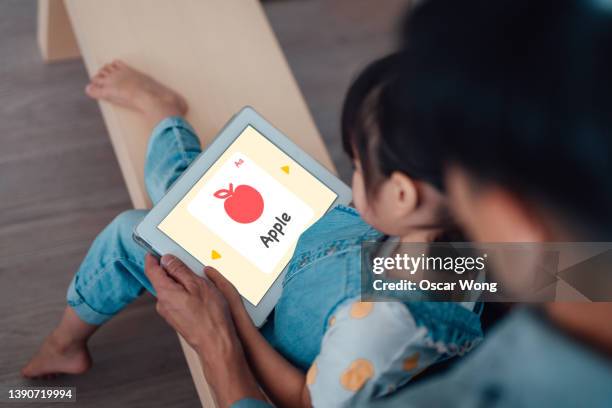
(120, 84)
(56, 356)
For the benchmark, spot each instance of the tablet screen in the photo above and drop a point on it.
(245, 215)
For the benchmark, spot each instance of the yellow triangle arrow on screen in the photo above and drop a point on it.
(215, 255)
(285, 169)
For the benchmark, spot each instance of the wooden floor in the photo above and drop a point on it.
(60, 184)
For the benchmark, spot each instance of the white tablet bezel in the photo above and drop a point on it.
(148, 234)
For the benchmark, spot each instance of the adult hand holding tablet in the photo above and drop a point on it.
(241, 207)
(200, 311)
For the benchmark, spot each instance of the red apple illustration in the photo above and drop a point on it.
(242, 204)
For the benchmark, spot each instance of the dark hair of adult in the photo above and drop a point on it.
(519, 93)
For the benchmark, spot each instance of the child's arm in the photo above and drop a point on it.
(284, 384)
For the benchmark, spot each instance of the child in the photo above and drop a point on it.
(319, 321)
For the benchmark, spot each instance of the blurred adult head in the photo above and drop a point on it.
(518, 96)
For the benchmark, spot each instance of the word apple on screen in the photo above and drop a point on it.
(251, 211)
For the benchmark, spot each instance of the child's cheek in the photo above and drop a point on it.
(359, 199)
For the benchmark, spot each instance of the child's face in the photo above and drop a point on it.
(385, 210)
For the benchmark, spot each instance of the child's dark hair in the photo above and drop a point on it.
(374, 129)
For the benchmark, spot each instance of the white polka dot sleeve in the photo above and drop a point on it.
(375, 343)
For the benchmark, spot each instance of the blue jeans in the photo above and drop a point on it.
(112, 273)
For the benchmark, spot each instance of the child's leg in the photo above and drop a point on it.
(112, 274)
(109, 278)
(173, 146)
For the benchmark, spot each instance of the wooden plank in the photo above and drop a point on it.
(55, 36)
(204, 392)
(220, 54)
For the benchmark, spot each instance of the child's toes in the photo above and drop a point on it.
(99, 77)
(94, 91)
(102, 77)
(97, 80)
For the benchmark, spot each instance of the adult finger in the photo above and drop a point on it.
(157, 275)
(219, 280)
(179, 271)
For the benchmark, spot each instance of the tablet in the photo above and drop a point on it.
(241, 207)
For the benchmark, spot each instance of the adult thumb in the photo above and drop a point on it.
(178, 270)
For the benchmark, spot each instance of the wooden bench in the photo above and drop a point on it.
(220, 54)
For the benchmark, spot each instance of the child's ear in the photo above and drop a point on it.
(406, 192)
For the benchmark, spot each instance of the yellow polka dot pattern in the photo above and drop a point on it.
(359, 310)
(357, 374)
(332, 321)
(411, 362)
(311, 375)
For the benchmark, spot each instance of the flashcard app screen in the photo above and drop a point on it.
(245, 215)
(251, 211)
